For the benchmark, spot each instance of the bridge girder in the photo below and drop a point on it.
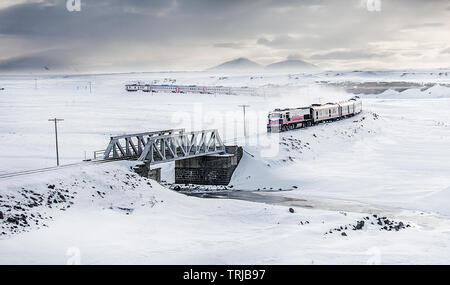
(165, 146)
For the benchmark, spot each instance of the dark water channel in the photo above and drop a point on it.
(252, 196)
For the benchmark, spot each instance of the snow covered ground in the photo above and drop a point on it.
(386, 166)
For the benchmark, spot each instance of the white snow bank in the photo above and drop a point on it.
(437, 201)
(394, 159)
(436, 91)
(137, 221)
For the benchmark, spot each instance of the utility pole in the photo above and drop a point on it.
(245, 127)
(56, 137)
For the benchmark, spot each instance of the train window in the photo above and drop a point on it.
(317, 114)
(275, 115)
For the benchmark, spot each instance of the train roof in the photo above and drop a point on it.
(320, 106)
(324, 106)
(192, 85)
(289, 109)
(345, 102)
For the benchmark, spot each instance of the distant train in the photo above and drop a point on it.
(288, 119)
(190, 89)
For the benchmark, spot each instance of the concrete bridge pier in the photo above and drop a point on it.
(144, 170)
(214, 169)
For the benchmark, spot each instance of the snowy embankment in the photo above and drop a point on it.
(380, 177)
(434, 92)
(393, 154)
(116, 216)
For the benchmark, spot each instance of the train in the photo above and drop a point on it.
(190, 89)
(281, 120)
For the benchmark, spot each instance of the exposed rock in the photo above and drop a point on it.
(382, 223)
(359, 225)
(12, 220)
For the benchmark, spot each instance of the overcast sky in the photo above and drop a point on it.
(135, 35)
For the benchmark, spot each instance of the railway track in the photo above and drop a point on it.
(47, 169)
(99, 161)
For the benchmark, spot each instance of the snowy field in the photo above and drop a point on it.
(387, 167)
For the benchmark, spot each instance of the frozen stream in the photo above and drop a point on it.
(420, 218)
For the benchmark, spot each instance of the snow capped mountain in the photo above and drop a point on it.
(244, 64)
(293, 65)
(238, 64)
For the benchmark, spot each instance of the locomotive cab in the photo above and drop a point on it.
(275, 122)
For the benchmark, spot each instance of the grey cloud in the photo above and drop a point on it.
(229, 45)
(350, 54)
(294, 57)
(411, 54)
(284, 41)
(165, 29)
(281, 40)
(48, 60)
(424, 25)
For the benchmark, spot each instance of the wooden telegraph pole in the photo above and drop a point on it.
(245, 127)
(56, 137)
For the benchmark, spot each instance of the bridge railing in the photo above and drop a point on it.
(99, 154)
(182, 145)
(132, 145)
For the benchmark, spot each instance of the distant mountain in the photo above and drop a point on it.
(238, 64)
(293, 65)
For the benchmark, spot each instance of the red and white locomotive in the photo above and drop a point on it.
(288, 119)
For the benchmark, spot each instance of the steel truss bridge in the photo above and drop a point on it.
(153, 147)
(164, 146)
